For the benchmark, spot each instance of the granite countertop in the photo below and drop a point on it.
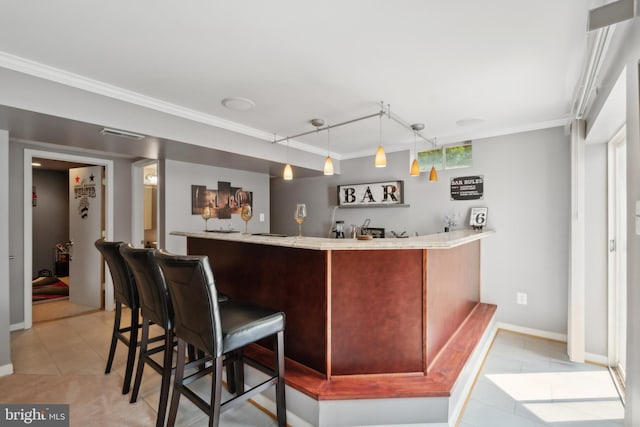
(429, 241)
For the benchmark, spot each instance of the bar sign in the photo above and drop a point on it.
(467, 187)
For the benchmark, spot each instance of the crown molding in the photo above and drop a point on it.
(43, 71)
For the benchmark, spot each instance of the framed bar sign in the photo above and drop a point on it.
(387, 193)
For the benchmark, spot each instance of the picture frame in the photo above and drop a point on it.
(478, 217)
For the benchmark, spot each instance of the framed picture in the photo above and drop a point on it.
(478, 218)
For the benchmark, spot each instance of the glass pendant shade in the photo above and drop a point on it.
(415, 168)
(328, 166)
(287, 174)
(381, 158)
(433, 175)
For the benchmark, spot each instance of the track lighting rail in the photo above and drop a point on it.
(380, 113)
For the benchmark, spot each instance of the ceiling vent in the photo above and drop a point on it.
(121, 134)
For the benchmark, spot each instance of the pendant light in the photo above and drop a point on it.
(415, 167)
(381, 157)
(328, 163)
(433, 174)
(287, 173)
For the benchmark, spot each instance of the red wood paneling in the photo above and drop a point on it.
(377, 311)
(453, 277)
(287, 279)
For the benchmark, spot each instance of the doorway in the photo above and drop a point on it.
(54, 291)
(617, 263)
(29, 156)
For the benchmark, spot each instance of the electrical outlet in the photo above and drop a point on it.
(261, 217)
(521, 298)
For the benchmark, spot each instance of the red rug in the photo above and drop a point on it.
(48, 288)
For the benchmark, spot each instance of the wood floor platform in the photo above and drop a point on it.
(439, 381)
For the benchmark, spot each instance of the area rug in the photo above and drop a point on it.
(48, 288)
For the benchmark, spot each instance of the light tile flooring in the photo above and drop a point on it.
(525, 382)
(530, 382)
(58, 309)
(63, 361)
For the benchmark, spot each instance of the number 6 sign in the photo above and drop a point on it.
(478, 218)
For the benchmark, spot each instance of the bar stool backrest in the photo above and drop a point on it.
(153, 293)
(195, 300)
(124, 285)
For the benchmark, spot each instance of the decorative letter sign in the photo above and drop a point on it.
(374, 194)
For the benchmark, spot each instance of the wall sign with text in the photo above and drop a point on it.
(467, 187)
(374, 194)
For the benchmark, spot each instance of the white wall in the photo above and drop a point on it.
(527, 192)
(179, 177)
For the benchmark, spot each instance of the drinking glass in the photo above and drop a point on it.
(299, 215)
(246, 214)
(205, 213)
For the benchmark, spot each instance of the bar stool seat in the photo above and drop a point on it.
(155, 307)
(125, 293)
(218, 330)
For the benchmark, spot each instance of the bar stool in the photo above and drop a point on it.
(218, 329)
(125, 292)
(156, 308)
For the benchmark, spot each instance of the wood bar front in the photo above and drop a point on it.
(352, 312)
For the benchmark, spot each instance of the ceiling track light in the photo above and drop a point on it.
(121, 134)
(433, 174)
(328, 162)
(287, 173)
(415, 166)
(380, 154)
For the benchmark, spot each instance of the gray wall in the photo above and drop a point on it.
(526, 190)
(50, 217)
(178, 177)
(5, 251)
(122, 215)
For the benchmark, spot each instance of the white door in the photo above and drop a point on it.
(85, 227)
(618, 254)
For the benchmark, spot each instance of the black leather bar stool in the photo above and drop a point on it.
(155, 307)
(125, 292)
(218, 329)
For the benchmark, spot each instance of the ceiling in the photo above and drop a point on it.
(513, 64)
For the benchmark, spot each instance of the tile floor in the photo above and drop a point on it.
(525, 382)
(530, 382)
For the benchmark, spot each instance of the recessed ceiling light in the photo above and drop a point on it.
(470, 121)
(36, 164)
(238, 104)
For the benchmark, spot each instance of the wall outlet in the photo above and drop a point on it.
(261, 217)
(521, 298)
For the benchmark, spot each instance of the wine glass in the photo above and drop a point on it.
(246, 214)
(205, 213)
(299, 215)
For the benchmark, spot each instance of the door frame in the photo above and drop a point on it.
(137, 200)
(27, 233)
(612, 284)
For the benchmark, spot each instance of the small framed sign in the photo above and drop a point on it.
(478, 218)
(387, 193)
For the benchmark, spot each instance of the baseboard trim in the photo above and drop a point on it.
(555, 336)
(16, 327)
(596, 359)
(6, 370)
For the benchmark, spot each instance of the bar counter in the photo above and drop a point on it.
(355, 308)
